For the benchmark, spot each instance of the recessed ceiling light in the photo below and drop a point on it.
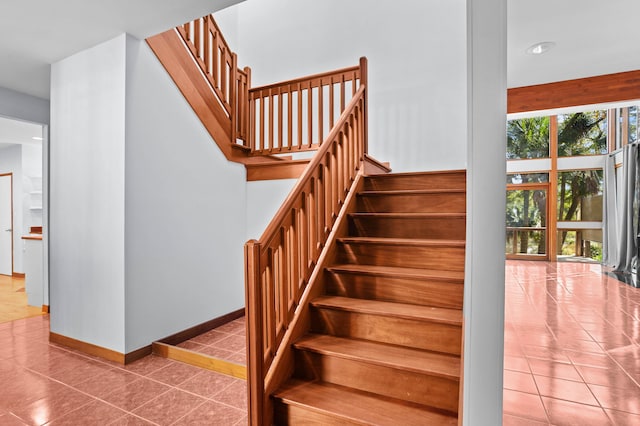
(540, 48)
(36, 138)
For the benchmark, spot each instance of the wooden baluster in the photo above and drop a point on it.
(223, 76)
(321, 203)
(215, 58)
(309, 115)
(320, 113)
(299, 116)
(254, 327)
(290, 118)
(332, 106)
(233, 97)
(328, 184)
(197, 40)
(293, 253)
(248, 111)
(262, 141)
(207, 45)
(304, 228)
(252, 124)
(342, 94)
(280, 119)
(270, 121)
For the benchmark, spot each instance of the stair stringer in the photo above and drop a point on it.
(282, 368)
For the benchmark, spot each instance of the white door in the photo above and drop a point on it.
(6, 232)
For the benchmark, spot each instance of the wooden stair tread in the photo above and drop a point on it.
(270, 161)
(397, 310)
(359, 407)
(426, 173)
(399, 357)
(399, 272)
(403, 215)
(374, 193)
(403, 241)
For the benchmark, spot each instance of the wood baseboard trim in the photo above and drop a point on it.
(138, 354)
(18, 275)
(45, 309)
(99, 351)
(199, 360)
(197, 330)
(87, 348)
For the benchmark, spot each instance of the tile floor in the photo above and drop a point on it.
(572, 357)
(41, 383)
(572, 346)
(227, 342)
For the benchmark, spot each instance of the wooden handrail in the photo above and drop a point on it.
(219, 65)
(294, 115)
(278, 266)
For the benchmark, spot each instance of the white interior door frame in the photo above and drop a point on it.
(6, 224)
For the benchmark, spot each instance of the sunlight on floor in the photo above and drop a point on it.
(13, 300)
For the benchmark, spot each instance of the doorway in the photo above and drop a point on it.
(6, 224)
(23, 219)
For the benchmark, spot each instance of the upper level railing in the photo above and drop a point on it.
(296, 115)
(279, 266)
(220, 67)
(286, 117)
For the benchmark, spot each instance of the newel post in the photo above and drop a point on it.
(364, 81)
(253, 312)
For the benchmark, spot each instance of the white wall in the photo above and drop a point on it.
(24, 107)
(414, 123)
(185, 211)
(87, 195)
(11, 162)
(264, 198)
(484, 270)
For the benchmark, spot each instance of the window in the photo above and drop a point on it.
(580, 195)
(520, 178)
(528, 138)
(526, 219)
(582, 133)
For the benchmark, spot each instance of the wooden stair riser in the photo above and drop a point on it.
(453, 202)
(319, 403)
(397, 383)
(449, 258)
(448, 180)
(292, 414)
(410, 333)
(427, 292)
(384, 226)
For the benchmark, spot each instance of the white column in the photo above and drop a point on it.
(484, 285)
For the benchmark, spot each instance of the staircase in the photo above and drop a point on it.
(385, 337)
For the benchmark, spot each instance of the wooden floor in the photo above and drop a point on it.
(13, 300)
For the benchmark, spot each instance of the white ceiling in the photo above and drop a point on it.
(37, 33)
(18, 132)
(592, 37)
